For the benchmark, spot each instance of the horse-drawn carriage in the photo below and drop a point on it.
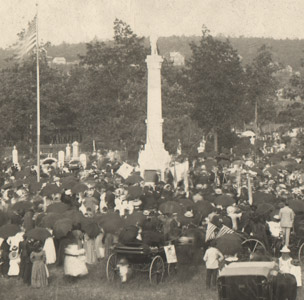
(136, 258)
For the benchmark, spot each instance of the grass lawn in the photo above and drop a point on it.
(188, 284)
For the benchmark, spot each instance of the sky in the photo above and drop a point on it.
(74, 21)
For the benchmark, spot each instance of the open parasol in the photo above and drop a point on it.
(90, 227)
(79, 188)
(34, 186)
(68, 182)
(297, 206)
(134, 191)
(38, 233)
(9, 230)
(170, 207)
(133, 179)
(75, 216)
(4, 218)
(110, 222)
(185, 203)
(49, 220)
(264, 209)
(224, 200)
(50, 189)
(57, 207)
(229, 244)
(136, 217)
(263, 197)
(62, 227)
(22, 205)
(204, 208)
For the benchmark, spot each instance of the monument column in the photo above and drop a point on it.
(154, 156)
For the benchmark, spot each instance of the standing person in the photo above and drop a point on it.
(285, 261)
(212, 258)
(74, 261)
(39, 269)
(286, 215)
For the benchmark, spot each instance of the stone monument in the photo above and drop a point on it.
(15, 156)
(75, 146)
(68, 152)
(153, 157)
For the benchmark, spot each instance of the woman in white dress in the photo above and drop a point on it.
(49, 249)
(74, 261)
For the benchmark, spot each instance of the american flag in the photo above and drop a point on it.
(28, 40)
(224, 229)
(210, 234)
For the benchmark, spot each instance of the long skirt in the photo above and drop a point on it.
(39, 274)
(75, 266)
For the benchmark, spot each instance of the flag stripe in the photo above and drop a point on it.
(28, 41)
(225, 229)
(210, 234)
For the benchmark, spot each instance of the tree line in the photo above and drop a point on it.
(104, 97)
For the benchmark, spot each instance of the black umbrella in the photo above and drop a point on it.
(170, 207)
(133, 179)
(9, 230)
(62, 227)
(4, 218)
(90, 227)
(50, 189)
(79, 187)
(38, 233)
(229, 244)
(22, 205)
(57, 207)
(50, 219)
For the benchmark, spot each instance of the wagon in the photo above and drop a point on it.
(247, 280)
(141, 258)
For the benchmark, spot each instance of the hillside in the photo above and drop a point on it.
(288, 52)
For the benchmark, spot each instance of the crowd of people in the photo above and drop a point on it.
(73, 216)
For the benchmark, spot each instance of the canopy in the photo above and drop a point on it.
(251, 268)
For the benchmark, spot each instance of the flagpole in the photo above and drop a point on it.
(38, 99)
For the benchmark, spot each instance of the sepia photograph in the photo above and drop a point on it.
(151, 149)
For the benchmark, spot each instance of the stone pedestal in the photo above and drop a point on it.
(154, 156)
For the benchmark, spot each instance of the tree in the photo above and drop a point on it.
(109, 90)
(216, 82)
(18, 99)
(261, 88)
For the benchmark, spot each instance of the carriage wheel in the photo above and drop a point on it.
(172, 269)
(157, 270)
(301, 254)
(112, 267)
(253, 245)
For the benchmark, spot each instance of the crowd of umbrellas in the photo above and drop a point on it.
(97, 199)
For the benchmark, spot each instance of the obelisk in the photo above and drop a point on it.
(154, 157)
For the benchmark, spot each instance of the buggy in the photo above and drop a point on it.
(141, 258)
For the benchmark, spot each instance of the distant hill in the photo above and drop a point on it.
(288, 52)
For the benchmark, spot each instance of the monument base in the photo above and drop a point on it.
(155, 159)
